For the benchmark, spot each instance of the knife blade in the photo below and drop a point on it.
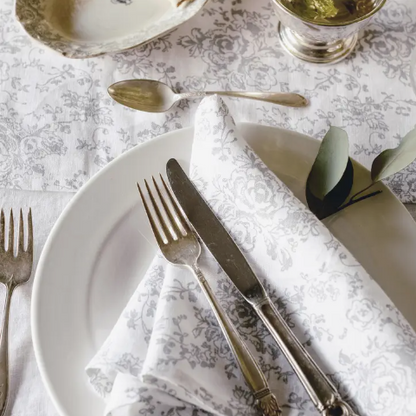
(211, 232)
(226, 252)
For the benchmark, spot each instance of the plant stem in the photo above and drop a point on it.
(353, 201)
(360, 192)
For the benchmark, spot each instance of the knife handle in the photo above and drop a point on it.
(255, 378)
(322, 392)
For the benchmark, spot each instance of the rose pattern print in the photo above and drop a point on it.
(333, 306)
(363, 314)
(58, 126)
(391, 382)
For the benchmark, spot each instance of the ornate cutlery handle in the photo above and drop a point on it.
(265, 399)
(4, 350)
(320, 389)
(282, 98)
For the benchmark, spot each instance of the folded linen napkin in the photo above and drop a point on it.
(166, 352)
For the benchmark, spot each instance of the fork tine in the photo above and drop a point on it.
(168, 211)
(168, 233)
(182, 220)
(155, 229)
(21, 243)
(11, 233)
(29, 248)
(2, 232)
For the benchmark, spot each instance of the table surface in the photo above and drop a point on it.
(58, 126)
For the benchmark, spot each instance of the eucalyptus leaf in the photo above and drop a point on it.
(334, 199)
(330, 163)
(392, 161)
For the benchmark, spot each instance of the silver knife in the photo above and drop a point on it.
(322, 392)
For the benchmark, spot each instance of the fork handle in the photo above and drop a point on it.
(255, 378)
(4, 350)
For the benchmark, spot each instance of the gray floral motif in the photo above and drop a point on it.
(149, 401)
(392, 40)
(130, 363)
(363, 313)
(25, 146)
(240, 44)
(177, 348)
(391, 381)
(100, 382)
(255, 194)
(227, 45)
(364, 344)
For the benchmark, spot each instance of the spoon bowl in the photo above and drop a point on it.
(143, 94)
(156, 97)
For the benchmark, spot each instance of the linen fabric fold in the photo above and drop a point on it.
(167, 353)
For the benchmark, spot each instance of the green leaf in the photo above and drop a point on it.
(334, 199)
(392, 161)
(330, 163)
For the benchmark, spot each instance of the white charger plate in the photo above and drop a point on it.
(99, 250)
(83, 29)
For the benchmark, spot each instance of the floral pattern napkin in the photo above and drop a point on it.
(166, 354)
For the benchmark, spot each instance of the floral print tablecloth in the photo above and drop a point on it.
(58, 126)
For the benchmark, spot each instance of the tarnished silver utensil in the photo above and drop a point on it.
(15, 270)
(156, 97)
(322, 392)
(180, 246)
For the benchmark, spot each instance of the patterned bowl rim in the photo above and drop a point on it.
(84, 49)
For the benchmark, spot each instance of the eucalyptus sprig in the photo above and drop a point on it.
(332, 175)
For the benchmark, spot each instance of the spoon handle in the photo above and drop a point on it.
(282, 98)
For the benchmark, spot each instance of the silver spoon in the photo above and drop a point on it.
(156, 97)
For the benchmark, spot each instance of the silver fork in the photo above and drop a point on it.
(180, 246)
(15, 269)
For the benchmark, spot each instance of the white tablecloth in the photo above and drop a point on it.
(58, 126)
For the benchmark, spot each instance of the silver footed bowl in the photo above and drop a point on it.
(320, 42)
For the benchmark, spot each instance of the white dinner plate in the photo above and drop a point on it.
(96, 256)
